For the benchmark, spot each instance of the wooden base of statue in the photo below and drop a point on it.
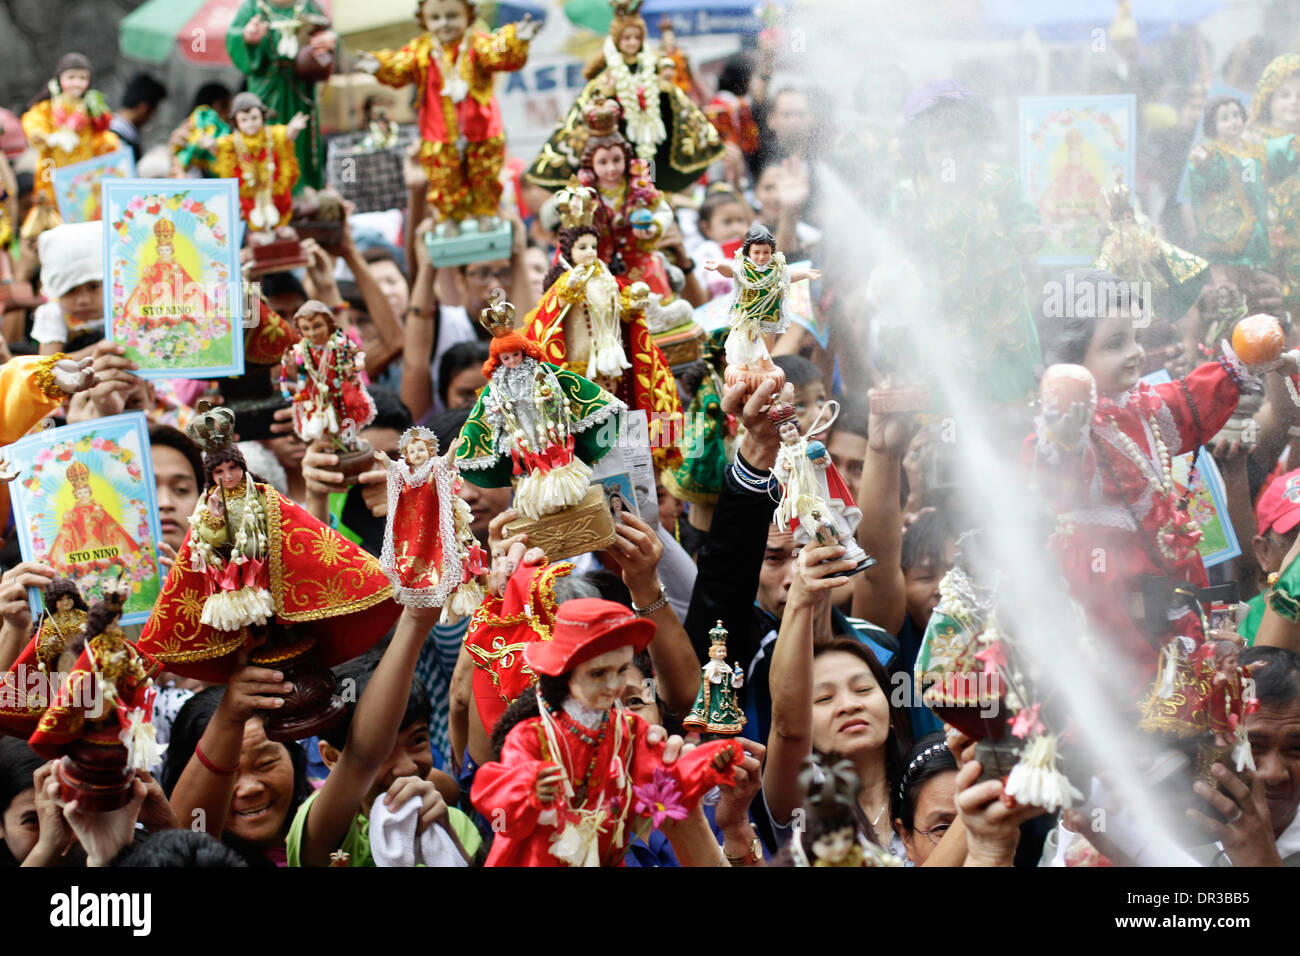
(997, 757)
(95, 775)
(587, 526)
(682, 345)
(885, 401)
(312, 706)
(352, 464)
(470, 246)
(279, 255)
(754, 375)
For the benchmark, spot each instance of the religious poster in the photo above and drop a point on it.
(627, 474)
(84, 503)
(175, 300)
(1073, 151)
(77, 186)
(1207, 503)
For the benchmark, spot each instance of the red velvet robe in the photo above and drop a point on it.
(504, 790)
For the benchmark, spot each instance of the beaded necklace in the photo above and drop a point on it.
(583, 734)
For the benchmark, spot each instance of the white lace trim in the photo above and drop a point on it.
(399, 474)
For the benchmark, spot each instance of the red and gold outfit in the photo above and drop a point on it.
(457, 108)
(334, 595)
(329, 387)
(734, 121)
(267, 169)
(500, 629)
(613, 218)
(60, 116)
(429, 551)
(1117, 525)
(615, 759)
(647, 385)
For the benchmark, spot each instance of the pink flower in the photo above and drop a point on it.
(994, 656)
(1027, 722)
(660, 799)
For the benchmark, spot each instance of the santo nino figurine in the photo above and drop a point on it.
(429, 553)
(717, 708)
(815, 504)
(321, 376)
(575, 774)
(758, 305)
(453, 66)
(540, 428)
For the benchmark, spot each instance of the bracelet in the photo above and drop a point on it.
(750, 479)
(219, 771)
(749, 859)
(653, 606)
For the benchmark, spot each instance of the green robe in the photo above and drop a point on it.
(964, 248)
(1283, 177)
(704, 444)
(484, 462)
(272, 78)
(1230, 206)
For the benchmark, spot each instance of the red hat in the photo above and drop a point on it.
(1279, 505)
(586, 628)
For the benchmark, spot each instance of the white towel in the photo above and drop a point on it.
(393, 840)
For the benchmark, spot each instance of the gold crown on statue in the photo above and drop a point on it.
(625, 8)
(163, 230)
(499, 316)
(1120, 200)
(575, 205)
(212, 427)
(79, 475)
(718, 635)
(602, 115)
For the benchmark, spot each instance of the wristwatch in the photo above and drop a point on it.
(749, 859)
(654, 606)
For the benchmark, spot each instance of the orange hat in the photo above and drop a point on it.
(586, 628)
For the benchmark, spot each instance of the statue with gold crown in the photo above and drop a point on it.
(717, 706)
(1135, 253)
(539, 428)
(94, 715)
(255, 566)
(587, 324)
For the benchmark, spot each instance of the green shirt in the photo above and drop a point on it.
(356, 842)
(1251, 624)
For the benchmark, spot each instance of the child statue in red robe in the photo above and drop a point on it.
(430, 554)
(322, 376)
(576, 775)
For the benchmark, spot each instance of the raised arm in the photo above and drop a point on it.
(791, 676)
(421, 333)
(370, 738)
(879, 593)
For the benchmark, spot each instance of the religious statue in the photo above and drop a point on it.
(717, 707)
(430, 554)
(575, 775)
(87, 526)
(758, 304)
(262, 158)
(322, 376)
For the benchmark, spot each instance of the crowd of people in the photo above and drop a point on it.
(722, 685)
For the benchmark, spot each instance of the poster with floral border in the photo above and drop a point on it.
(84, 503)
(1208, 499)
(175, 300)
(1073, 150)
(76, 186)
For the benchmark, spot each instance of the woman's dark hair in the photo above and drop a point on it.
(554, 689)
(456, 359)
(716, 199)
(760, 234)
(928, 758)
(1082, 296)
(359, 670)
(63, 587)
(567, 238)
(1279, 681)
(925, 538)
(17, 764)
(736, 71)
(447, 425)
(1209, 122)
(175, 438)
(390, 412)
(893, 750)
(185, 848)
(210, 94)
(187, 729)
